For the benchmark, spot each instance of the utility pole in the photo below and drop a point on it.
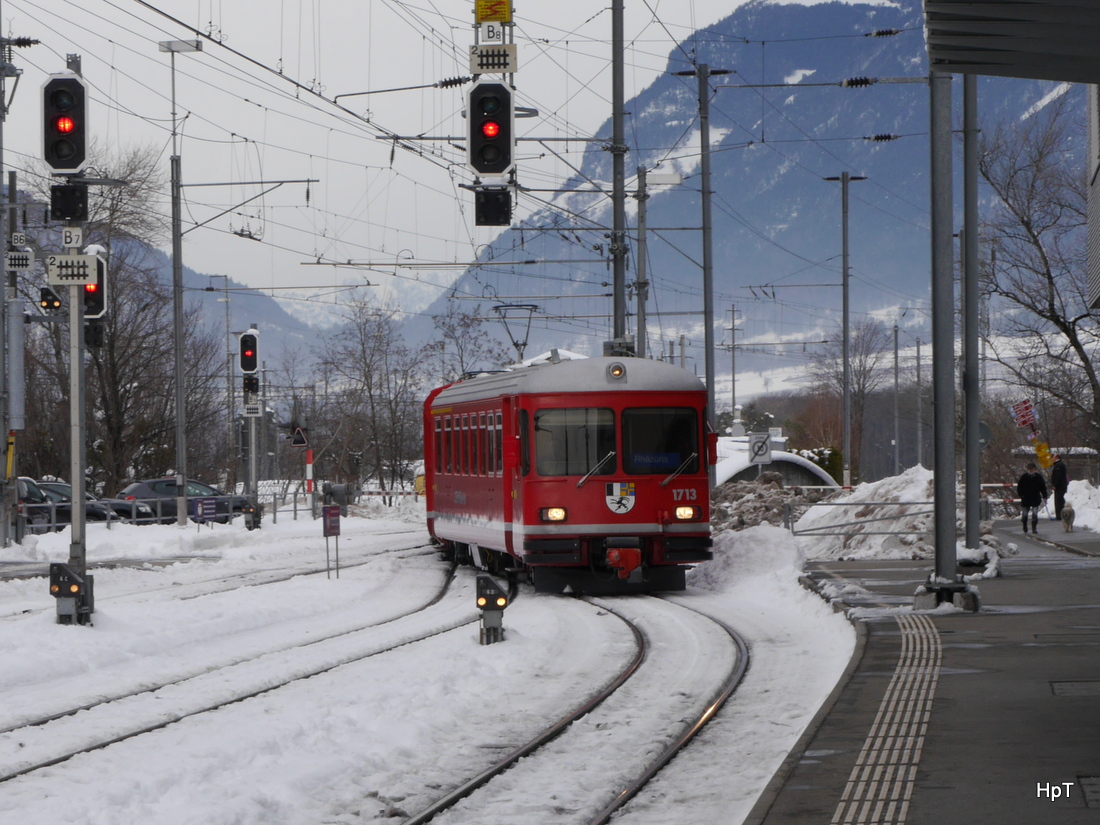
(733, 356)
(641, 284)
(618, 180)
(972, 398)
(897, 392)
(10, 362)
(173, 47)
(920, 413)
(943, 584)
(845, 356)
(702, 72)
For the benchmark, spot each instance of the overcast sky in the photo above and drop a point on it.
(256, 105)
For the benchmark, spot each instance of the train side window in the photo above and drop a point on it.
(660, 440)
(438, 445)
(463, 446)
(498, 439)
(448, 446)
(490, 448)
(482, 446)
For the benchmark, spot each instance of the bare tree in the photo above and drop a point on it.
(464, 343)
(1042, 333)
(371, 411)
(868, 347)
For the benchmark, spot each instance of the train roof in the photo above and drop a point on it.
(582, 375)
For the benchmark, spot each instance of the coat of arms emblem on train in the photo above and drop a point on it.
(620, 496)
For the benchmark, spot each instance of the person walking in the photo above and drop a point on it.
(1059, 481)
(1032, 490)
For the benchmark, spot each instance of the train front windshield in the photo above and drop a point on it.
(660, 440)
(572, 442)
(579, 441)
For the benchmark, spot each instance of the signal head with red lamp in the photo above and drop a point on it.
(64, 124)
(491, 139)
(250, 351)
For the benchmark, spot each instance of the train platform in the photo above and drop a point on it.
(950, 717)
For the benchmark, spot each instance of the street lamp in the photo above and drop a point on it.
(173, 47)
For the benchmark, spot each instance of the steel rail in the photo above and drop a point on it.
(737, 673)
(241, 697)
(547, 735)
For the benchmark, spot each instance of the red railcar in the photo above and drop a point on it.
(589, 474)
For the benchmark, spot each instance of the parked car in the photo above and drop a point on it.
(60, 512)
(135, 511)
(33, 505)
(160, 495)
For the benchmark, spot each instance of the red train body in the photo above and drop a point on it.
(589, 474)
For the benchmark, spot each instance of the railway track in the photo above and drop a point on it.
(217, 582)
(599, 735)
(40, 742)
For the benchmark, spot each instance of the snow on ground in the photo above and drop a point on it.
(373, 740)
(367, 741)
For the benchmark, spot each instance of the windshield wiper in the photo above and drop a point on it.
(596, 469)
(680, 469)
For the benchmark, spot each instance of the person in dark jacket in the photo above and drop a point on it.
(1032, 490)
(1059, 481)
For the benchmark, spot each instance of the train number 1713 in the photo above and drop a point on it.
(684, 494)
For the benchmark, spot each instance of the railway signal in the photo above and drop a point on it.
(250, 352)
(491, 118)
(48, 299)
(95, 292)
(491, 600)
(492, 207)
(73, 594)
(64, 124)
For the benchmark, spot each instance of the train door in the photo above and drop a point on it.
(510, 453)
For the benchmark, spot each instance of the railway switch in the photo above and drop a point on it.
(73, 594)
(491, 600)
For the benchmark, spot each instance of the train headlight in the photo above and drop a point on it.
(552, 514)
(616, 371)
(685, 513)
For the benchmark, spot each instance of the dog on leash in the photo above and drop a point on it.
(1067, 518)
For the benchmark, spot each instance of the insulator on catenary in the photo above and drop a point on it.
(883, 33)
(451, 81)
(859, 81)
(881, 138)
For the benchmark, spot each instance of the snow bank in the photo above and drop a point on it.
(887, 519)
(762, 551)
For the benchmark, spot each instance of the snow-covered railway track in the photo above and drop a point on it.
(37, 743)
(219, 581)
(596, 758)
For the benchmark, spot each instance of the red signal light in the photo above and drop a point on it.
(64, 125)
(91, 289)
(490, 129)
